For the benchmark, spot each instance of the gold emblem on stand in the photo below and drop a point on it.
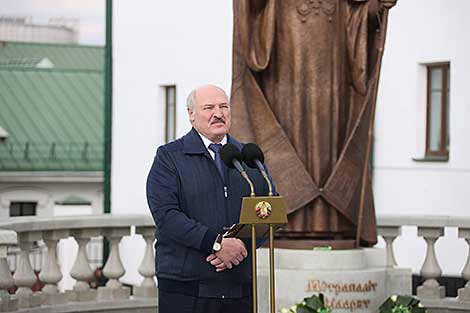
(263, 209)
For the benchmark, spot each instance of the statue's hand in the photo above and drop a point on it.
(388, 4)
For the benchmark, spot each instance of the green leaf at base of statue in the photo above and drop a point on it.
(303, 309)
(312, 304)
(406, 300)
(402, 304)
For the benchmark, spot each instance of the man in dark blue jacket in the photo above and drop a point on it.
(192, 197)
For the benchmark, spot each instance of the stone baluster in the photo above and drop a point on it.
(114, 269)
(50, 273)
(464, 293)
(7, 303)
(431, 269)
(147, 268)
(389, 234)
(24, 275)
(81, 270)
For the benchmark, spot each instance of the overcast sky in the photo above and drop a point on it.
(91, 14)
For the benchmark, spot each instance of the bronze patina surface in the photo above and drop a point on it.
(304, 85)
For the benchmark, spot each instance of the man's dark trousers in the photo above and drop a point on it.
(169, 302)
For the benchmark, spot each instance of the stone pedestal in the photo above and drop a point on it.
(26, 301)
(54, 298)
(8, 303)
(81, 295)
(431, 292)
(146, 292)
(464, 294)
(351, 280)
(108, 293)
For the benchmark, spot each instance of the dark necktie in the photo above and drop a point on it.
(218, 161)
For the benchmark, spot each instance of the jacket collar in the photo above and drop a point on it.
(193, 144)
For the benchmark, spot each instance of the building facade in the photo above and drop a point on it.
(51, 161)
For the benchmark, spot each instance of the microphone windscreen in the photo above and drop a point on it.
(228, 153)
(252, 152)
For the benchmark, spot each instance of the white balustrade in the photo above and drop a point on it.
(389, 234)
(50, 273)
(24, 276)
(114, 268)
(431, 269)
(82, 228)
(147, 268)
(464, 293)
(51, 230)
(81, 270)
(7, 302)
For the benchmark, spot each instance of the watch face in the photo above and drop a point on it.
(216, 247)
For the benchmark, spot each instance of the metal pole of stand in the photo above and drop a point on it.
(253, 267)
(271, 268)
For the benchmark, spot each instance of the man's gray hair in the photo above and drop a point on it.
(191, 100)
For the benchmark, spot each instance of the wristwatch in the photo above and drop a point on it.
(217, 243)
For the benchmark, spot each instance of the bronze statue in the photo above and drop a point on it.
(304, 85)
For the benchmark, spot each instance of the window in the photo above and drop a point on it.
(170, 122)
(23, 208)
(437, 122)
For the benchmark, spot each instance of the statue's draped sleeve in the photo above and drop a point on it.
(257, 25)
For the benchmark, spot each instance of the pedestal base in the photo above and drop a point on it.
(431, 292)
(29, 301)
(8, 303)
(464, 294)
(54, 298)
(145, 292)
(81, 295)
(352, 280)
(107, 293)
(309, 244)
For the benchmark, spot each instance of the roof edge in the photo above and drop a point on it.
(51, 177)
(72, 45)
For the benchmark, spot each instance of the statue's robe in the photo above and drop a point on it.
(301, 74)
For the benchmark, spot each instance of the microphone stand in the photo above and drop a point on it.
(255, 211)
(259, 212)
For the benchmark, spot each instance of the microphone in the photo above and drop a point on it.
(232, 157)
(254, 158)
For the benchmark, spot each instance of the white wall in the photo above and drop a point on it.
(420, 32)
(155, 43)
(188, 43)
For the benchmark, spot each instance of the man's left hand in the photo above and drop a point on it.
(233, 251)
(216, 262)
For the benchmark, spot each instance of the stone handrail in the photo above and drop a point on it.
(23, 232)
(28, 224)
(29, 230)
(431, 228)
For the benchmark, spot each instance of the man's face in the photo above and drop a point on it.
(211, 113)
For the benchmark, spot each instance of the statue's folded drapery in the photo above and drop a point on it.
(302, 71)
